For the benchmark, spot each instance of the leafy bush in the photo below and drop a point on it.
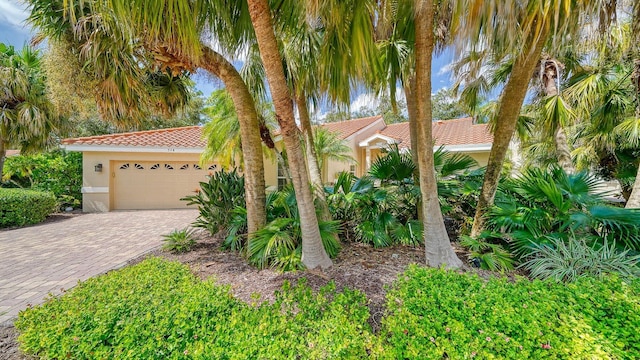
(58, 172)
(216, 198)
(566, 261)
(436, 314)
(490, 256)
(179, 240)
(279, 243)
(382, 208)
(20, 207)
(539, 206)
(158, 310)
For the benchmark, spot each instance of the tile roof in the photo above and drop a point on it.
(445, 132)
(182, 137)
(349, 127)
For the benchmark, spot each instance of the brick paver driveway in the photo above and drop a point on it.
(37, 260)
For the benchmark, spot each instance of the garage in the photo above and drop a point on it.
(155, 184)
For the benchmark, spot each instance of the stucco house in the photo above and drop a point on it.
(154, 169)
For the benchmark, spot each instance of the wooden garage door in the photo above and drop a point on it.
(155, 185)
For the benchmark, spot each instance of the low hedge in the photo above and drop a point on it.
(159, 310)
(435, 314)
(20, 207)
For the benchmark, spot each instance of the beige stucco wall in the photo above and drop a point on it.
(481, 157)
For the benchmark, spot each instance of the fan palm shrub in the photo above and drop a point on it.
(279, 243)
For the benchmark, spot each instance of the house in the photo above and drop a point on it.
(154, 169)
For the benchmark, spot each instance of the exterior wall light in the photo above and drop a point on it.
(98, 168)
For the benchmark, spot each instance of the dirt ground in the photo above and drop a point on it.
(358, 266)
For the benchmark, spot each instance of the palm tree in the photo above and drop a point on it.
(27, 118)
(329, 146)
(520, 31)
(437, 244)
(122, 41)
(313, 252)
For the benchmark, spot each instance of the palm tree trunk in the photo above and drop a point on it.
(550, 68)
(438, 248)
(315, 173)
(255, 187)
(410, 95)
(3, 154)
(634, 199)
(508, 111)
(313, 252)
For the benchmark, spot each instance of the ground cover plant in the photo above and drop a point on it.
(434, 314)
(20, 207)
(159, 309)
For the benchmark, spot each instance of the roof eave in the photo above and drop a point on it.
(134, 149)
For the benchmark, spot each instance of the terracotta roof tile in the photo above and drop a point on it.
(349, 127)
(445, 132)
(182, 137)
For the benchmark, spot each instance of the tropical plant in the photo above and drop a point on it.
(179, 241)
(20, 207)
(568, 260)
(329, 146)
(27, 118)
(539, 205)
(519, 32)
(125, 45)
(487, 255)
(216, 199)
(278, 244)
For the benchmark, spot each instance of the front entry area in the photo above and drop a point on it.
(137, 185)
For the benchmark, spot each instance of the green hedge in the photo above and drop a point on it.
(432, 313)
(159, 310)
(20, 207)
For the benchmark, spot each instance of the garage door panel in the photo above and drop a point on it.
(155, 185)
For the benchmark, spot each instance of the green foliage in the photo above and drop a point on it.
(539, 206)
(159, 310)
(179, 240)
(491, 256)
(436, 314)
(20, 207)
(216, 198)
(58, 172)
(279, 243)
(567, 261)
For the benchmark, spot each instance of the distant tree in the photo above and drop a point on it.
(446, 105)
(27, 117)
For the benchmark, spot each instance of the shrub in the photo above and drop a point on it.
(279, 243)
(158, 310)
(179, 240)
(436, 314)
(566, 261)
(216, 198)
(20, 207)
(58, 172)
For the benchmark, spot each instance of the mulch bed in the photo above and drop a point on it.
(358, 266)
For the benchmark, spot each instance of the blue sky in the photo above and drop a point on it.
(14, 31)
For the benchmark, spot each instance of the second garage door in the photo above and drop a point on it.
(155, 185)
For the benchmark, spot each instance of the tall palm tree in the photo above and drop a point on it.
(517, 30)
(27, 118)
(437, 244)
(122, 41)
(313, 252)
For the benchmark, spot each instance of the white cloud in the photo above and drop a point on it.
(13, 12)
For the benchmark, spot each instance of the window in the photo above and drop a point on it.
(352, 170)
